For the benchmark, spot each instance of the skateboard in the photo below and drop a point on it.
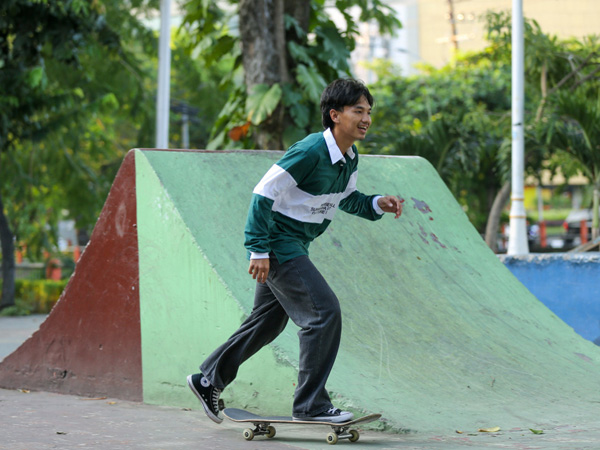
(263, 425)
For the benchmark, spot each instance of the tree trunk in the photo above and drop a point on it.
(260, 21)
(8, 261)
(493, 222)
(264, 53)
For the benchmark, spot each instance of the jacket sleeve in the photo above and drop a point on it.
(257, 224)
(357, 203)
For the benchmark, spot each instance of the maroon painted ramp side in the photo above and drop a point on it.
(90, 343)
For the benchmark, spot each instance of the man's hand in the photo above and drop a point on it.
(259, 269)
(391, 204)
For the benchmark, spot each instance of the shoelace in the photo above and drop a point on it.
(215, 398)
(333, 411)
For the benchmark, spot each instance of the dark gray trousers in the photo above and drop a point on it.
(296, 290)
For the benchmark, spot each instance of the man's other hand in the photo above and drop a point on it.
(391, 204)
(259, 269)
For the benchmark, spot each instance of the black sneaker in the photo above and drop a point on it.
(207, 394)
(333, 415)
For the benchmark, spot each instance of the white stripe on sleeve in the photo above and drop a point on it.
(351, 186)
(275, 182)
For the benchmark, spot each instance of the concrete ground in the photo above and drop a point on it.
(42, 420)
(15, 330)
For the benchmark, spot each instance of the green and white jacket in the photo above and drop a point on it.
(297, 198)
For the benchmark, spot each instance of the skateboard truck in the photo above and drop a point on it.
(262, 429)
(342, 433)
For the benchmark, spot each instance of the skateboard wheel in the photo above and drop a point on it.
(248, 434)
(332, 438)
(354, 436)
(270, 432)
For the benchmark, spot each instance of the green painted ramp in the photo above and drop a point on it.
(438, 335)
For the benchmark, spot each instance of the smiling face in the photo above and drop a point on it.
(351, 123)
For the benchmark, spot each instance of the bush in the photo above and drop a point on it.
(34, 296)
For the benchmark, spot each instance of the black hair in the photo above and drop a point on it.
(342, 92)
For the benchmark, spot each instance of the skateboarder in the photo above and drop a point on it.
(292, 205)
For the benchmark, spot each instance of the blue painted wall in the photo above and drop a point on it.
(567, 283)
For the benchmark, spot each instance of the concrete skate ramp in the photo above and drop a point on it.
(90, 343)
(438, 335)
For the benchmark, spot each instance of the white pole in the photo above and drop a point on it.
(185, 131)
(517, 237)
(164, 75)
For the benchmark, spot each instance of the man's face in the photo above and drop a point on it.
(353, 121)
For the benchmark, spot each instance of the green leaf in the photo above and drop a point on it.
(35, 76)
(217, 142)
(261, 103)
(312, 82)
(291, 23)
(333, 44)
(9, 100)
(292, 99)
(536, 431)
(219, 48)
(291, 96)
(109, 102)
(299, 53)
(300, 114)
(291, 135)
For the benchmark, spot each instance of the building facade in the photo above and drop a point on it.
(434, 29)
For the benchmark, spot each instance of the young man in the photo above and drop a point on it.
(292, 205)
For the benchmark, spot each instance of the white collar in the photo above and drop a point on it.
(335, 153)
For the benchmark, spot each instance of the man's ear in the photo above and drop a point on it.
(333, 114)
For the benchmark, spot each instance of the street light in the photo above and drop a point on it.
(164, 75)
(517, 238)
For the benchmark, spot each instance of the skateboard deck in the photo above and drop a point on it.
(263, 425)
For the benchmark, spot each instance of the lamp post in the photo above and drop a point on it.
(164, 75)
(517, 238)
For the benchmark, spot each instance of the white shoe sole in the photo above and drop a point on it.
(329, 419)
(207, 410)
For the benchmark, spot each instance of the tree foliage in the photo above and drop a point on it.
(66, 80)
(458, 117)
(43, 87)
(77, 91)
(274, 102)
(576, 132)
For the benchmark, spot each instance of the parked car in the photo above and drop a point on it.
(572, 226)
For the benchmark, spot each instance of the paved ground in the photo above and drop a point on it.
(42, 420)
(15, 330)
